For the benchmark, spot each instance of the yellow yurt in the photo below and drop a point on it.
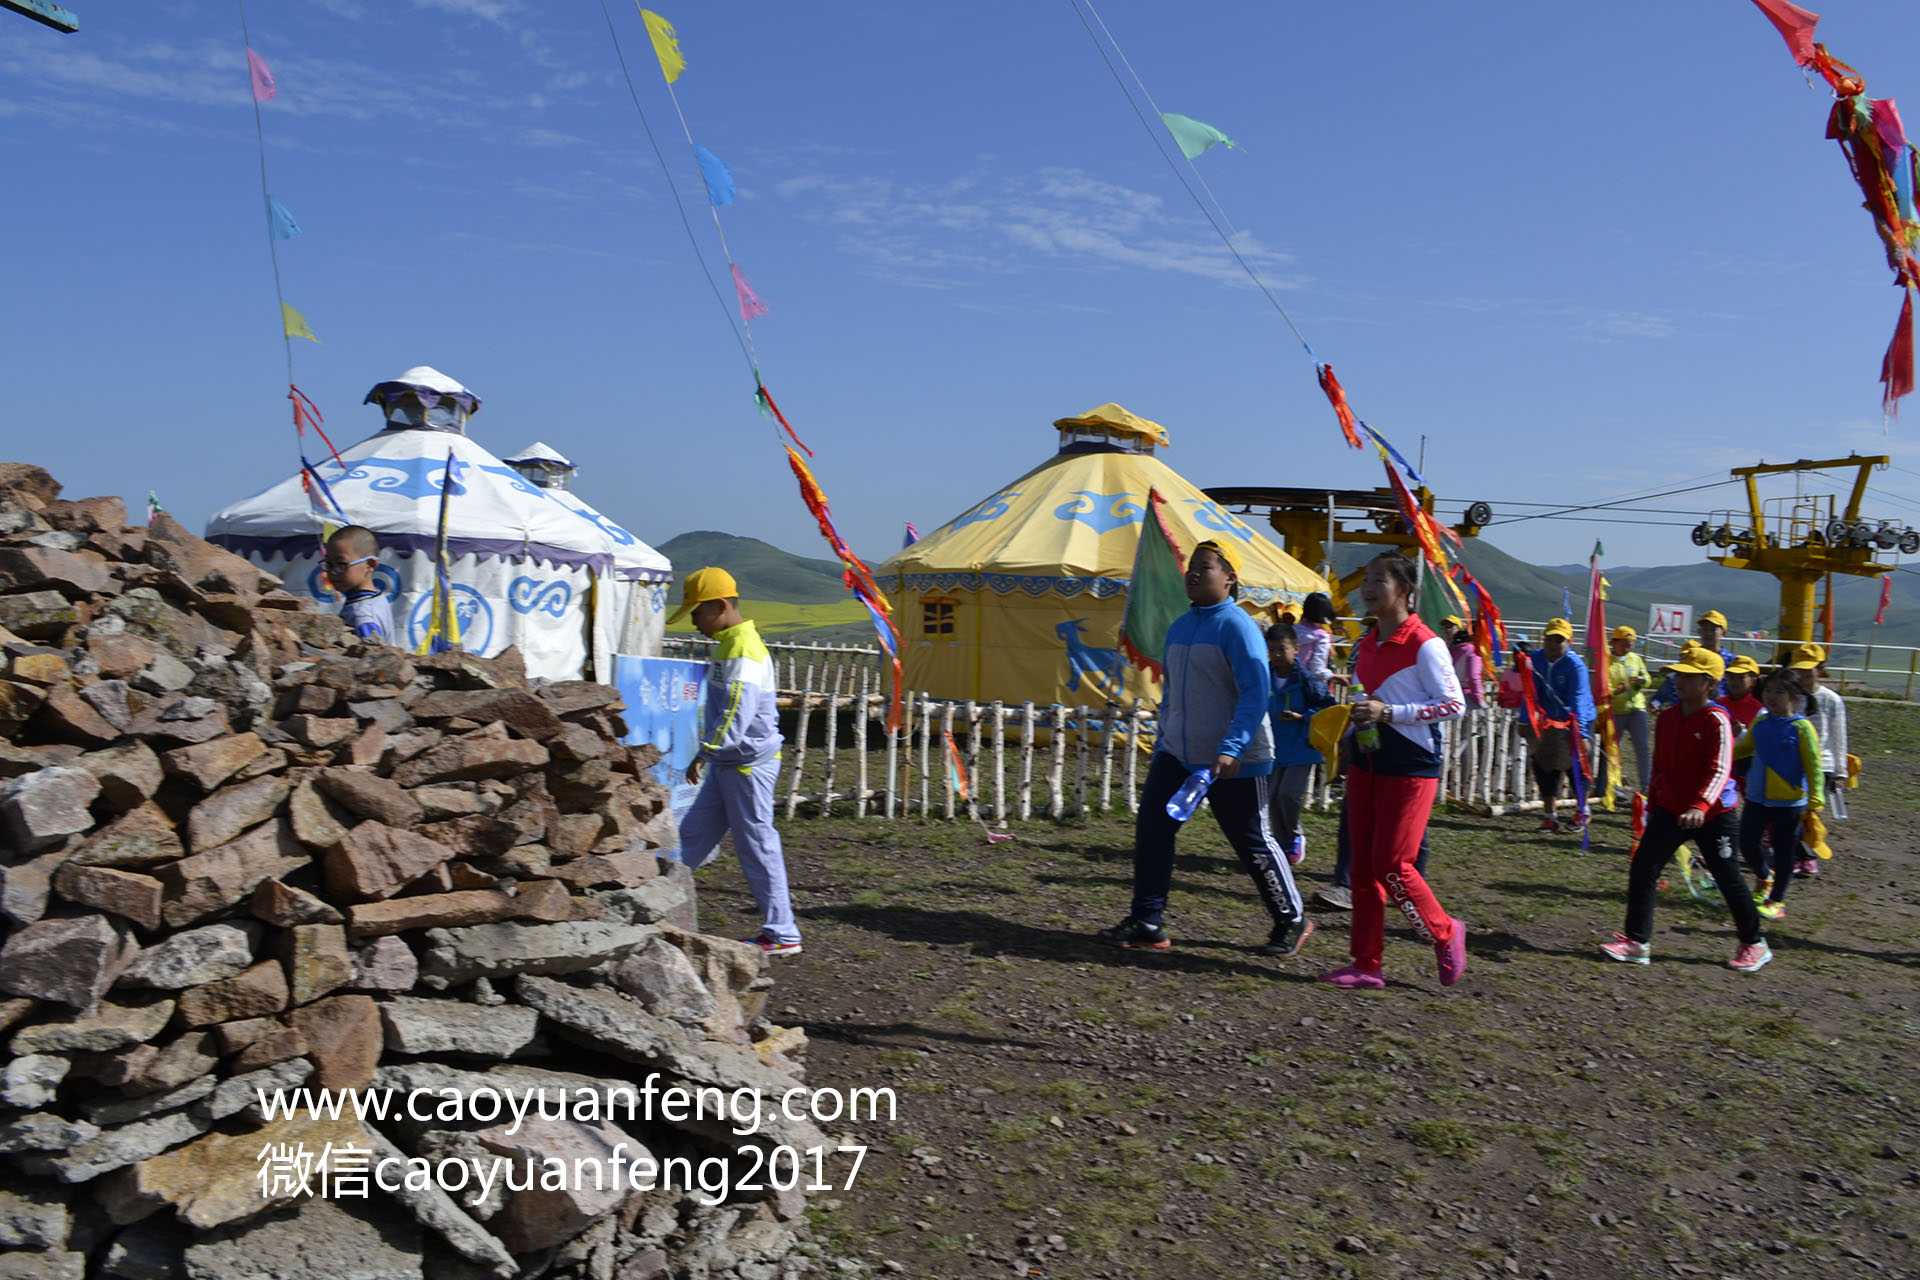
(1020, 596)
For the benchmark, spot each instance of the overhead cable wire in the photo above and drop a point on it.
(746, 349)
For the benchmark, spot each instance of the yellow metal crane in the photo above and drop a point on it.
(1801, 539)
(1309, 523)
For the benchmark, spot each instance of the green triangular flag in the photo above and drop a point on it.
(1156, 594)
(1194, 136)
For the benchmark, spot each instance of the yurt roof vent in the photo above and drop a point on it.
(543, 465)
(1113, 427)
(424, 399)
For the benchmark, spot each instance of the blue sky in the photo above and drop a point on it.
(1583, 250)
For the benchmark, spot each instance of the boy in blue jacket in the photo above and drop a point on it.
(1561, 688)
(1784, 780)
(1297, 694)
(1213, 715)
(740, 752)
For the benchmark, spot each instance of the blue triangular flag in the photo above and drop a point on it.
(284, 227)
(714, 170)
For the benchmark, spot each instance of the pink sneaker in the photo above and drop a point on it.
(1452, 955)
(1751, 957)
(1352, 978)
(1807, 867)
(1626, 950)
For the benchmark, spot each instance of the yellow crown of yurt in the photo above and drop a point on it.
(1019, 597)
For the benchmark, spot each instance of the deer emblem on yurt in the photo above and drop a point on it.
(1100, 667)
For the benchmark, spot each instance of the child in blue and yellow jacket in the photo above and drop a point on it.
(1784, 780)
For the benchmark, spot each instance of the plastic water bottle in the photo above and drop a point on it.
(1367, 738)
(1187, 798)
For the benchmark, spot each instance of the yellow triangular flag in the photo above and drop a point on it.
(295, 324)
(666, 45)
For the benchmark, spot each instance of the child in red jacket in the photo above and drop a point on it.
(1692, 799)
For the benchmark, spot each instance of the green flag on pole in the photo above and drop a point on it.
(1156, 594)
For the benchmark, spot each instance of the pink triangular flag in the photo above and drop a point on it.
(750, 304)
(263, 87)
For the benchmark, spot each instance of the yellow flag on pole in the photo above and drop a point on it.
(295, 324)
(666, 45)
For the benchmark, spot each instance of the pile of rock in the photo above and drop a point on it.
(243, 851)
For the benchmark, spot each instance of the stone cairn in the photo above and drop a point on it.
(241, 850)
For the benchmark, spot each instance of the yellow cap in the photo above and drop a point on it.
(1225, 552)
(1452, 620)
(1624, 633)
(1714, 616)
(701, 586)
(1808, 656)
(1743, 665)
(1697, 660)
(1558, 627)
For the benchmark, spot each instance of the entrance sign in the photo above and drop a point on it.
(1670, 621)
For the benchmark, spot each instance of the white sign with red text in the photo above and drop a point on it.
(1670, 621)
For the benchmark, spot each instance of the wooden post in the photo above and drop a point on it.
(1080, 762)
(1133, 755)
(1913, 669)
(1057, 765)
(893, 764)
(926, 740)
(946, 736)
(1106, 756)
(1026, 761)
(800, 746)
(973, 755)
(830, 770)
(999, 761)
(860, 743)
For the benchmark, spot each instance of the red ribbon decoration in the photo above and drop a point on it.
(1337, 397)
(307, 414)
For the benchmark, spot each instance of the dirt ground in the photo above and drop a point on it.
(1068, 1110)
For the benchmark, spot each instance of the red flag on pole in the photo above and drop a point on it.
(1886, 598)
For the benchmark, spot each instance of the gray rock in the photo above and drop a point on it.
(44, 807)
(164, 674)
(33, 1219)
(144, 1251)
(618, 1026)
(192, 958)
(116, 1148)
(455, 956)
(44, 1131)
(316, 1240)
(109, 1110)
(383, 964)
(665, 982)
(419, 1026)
(72, 961)
(439, 1212)
(648, 903)
(43, 1266)
(31, 1081)
(241, 1092)
(186, 1058)
(112, 1026)
(109, 698)
(25, 885)
(541, 1216)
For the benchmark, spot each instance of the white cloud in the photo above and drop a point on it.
(938, 235)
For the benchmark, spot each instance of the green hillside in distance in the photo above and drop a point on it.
(1522, 590)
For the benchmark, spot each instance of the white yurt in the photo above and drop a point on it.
(640, 574)
(532, 566)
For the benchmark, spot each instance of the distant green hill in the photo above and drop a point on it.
(1522, 590)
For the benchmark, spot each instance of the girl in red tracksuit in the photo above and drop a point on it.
(1692, 799)
(1411, 687)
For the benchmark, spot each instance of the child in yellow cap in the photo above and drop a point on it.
(740, 753)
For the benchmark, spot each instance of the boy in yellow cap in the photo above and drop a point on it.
(1828, 713)
(1563, 692)
(740, 753)
(1627, 682)
(1691, 799)
(1713, 630)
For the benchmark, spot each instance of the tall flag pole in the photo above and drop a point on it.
(443, 630)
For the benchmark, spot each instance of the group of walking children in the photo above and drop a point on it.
(1737, 795)
(1235, 720)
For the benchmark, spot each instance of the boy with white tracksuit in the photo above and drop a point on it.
(1213, 715)
(740, 747)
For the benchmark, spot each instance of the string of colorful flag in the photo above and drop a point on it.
(1194, 138)
(1883, 164)
(721, 191)
(281, 225)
